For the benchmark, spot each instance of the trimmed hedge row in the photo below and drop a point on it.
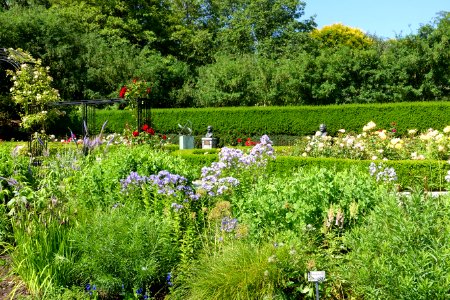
(283, 124)
(291, 121)
(428, 174)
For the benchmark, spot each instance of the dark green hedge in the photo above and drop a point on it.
(428, 174)
(234, 122)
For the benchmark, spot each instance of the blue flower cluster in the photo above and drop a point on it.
(90, 288)
(169, 279)
(172, 185)
(168, 184)
(234, 159)
(386, 174)
(133, 180)
(228, 224)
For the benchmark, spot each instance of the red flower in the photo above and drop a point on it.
(394, 130)
(164, 137)
(150, 131)
(134, 80)
(145, 127)
(239, 140)
(123, 90)
(135, 133)
(149, 90)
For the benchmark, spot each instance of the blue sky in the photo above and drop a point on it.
(385, 18)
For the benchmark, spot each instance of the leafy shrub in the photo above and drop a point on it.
(315, 197)
(401, 252)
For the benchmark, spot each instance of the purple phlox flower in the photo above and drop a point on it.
(265, 140)
(177, 207)
(214, 170)
(134, 179)
(168, 184)
(228, 224)
(230, 157)
(264, 148)
(12, 182)
(194, 197)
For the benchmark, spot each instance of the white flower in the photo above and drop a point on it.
(395, 141)
(341, 130)
(447, 178)
(412, 131)
(382, 135)
(371, 125)
(447, 129)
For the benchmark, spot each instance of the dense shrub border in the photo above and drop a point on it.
(291, 120)
(429, 174)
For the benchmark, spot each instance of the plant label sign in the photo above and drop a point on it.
(316, 276)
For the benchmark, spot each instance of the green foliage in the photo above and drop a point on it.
(221, 53)
(99, 184)
(123, 249)
(428, 174)
(317, 197)
(401, 251)
(43, 254)
(73, 225)
(241, 270)
(240, 122)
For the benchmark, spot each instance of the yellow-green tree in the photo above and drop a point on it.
(337, 35)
